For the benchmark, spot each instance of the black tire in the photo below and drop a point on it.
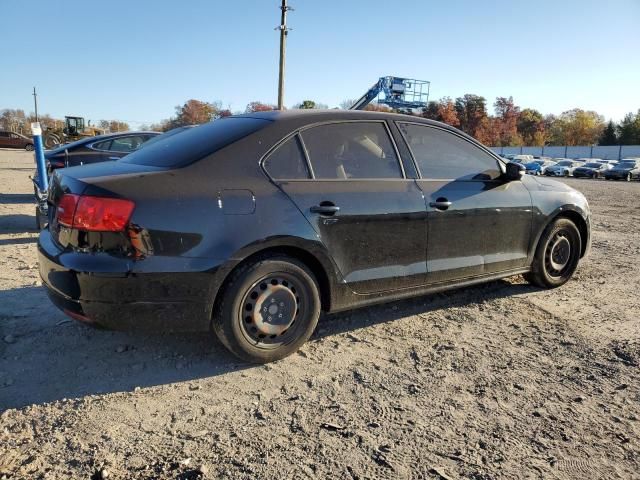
(29, 147)
(557, 255)
(273, 285)
(566, 174)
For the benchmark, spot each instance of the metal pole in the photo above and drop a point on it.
(35, 102)
(283, 44)
(41, 167)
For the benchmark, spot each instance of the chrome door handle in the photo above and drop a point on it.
(440, 204)
(325, 209)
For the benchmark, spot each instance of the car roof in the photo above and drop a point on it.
(299, 118)
(319, 115)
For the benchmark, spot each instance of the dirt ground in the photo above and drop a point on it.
(497, 381)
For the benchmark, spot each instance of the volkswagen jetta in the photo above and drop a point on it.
(252, 225)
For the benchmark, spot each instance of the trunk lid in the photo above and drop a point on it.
(88, 180)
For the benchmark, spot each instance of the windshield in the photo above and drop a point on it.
(195, 143)
(77, 143)
(165, 135)
(565, 163)
(593, 165)
(627, 164)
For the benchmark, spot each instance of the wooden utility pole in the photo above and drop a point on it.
(283, 45)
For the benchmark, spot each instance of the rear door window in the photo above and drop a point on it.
(102, 145)
(442, 155)
(126, 144)
(351, 150)
(287, 161)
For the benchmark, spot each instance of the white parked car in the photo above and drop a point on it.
(563, 168)
(522, 158)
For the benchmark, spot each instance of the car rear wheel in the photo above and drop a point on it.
(557, 255)
(268, 310)
(29, 147)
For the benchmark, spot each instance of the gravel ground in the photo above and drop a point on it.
(497, 381)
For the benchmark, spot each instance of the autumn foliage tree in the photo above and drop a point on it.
(472, 113)
(579, 127)
(259, 107)
(195, 112)
(505, 122)
(444, 110)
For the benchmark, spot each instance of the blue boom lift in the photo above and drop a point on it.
(396, 92)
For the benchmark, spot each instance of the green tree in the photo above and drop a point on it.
(609, 136)
(431, 111)
(472, 113)
(307, 105)
(531, 127)
(629, 129)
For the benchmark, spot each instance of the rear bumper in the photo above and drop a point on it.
(117, 293)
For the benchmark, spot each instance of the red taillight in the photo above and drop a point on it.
(96, 214)
(66, 209)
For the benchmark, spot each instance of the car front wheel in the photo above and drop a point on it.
(268, 310)
(557, 255)
(28, 147)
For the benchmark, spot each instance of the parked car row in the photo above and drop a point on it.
(625, 169)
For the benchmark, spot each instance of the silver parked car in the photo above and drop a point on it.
(563, 168)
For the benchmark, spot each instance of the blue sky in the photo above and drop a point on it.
(135, 60)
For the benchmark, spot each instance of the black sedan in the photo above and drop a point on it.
(101, 148)
(627, 169)
(592, 170)
(249, 226)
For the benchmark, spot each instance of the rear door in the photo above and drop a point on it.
(5, 139)
(16, 141)
(348, 181)
(478, 223)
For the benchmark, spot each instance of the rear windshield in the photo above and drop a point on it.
(195, 143)
(77, 143)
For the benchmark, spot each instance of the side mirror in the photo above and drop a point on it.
(514, 171)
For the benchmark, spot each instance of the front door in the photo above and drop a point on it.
(478, 223)
(368, 215)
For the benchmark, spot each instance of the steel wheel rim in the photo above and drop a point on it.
(558, 254)
(271, 309)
